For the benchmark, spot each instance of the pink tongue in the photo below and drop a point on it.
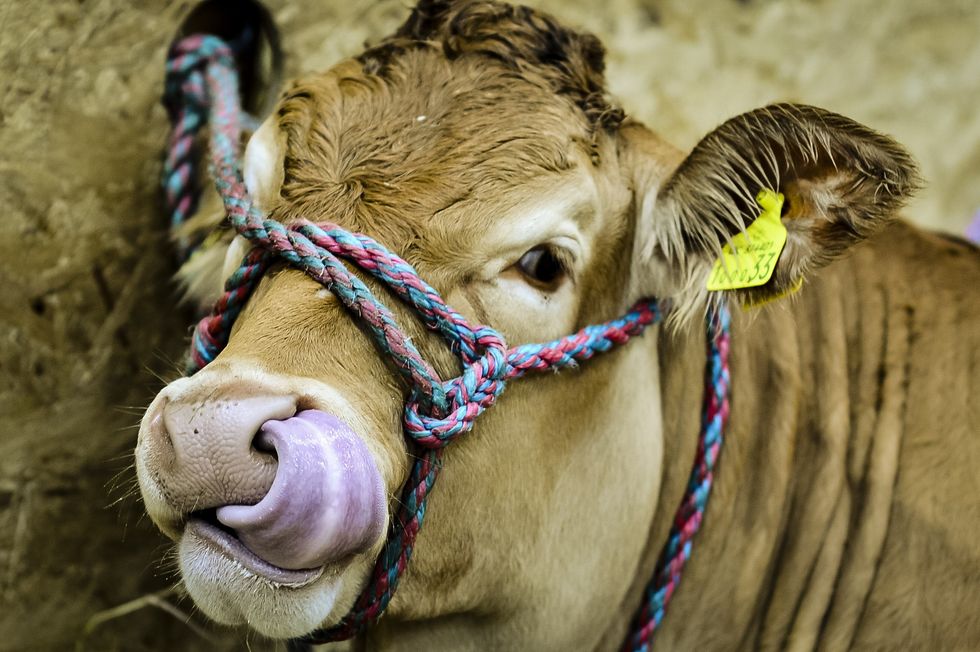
(326, 503)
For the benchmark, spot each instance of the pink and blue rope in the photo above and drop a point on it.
(202, 87)
(690, 513)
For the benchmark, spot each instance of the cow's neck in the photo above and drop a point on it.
(808, 465)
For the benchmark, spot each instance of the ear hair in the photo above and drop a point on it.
(202, 276)
(199, 277)
(843, 183)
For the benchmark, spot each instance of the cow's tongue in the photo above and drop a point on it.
(327, 501)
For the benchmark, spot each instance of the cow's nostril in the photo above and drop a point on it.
(159, 440)
(264, 444)
(209, 451)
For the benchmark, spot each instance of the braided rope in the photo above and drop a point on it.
(202, 87)
(187, 118)
(690, 513)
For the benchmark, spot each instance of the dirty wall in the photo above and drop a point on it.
(89, 325)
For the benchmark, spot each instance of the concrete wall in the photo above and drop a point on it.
(88, 320)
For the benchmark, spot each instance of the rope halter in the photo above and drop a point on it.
(202, 88)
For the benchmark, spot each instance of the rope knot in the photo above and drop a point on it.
(467, 395)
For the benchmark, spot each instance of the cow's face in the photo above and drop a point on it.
(478, 145)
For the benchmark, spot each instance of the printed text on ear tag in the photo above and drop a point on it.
(750, 258)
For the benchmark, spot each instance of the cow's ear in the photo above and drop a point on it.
(829, 181)
(202, 276)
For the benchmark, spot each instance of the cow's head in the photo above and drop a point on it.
(479, 143)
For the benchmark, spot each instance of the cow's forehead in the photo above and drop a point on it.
(397, 156)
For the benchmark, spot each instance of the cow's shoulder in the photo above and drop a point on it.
(926, 577)
(875, 366)
(928, 260)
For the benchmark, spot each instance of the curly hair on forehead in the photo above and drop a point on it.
(531, 43)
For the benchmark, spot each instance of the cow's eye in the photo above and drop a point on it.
(542, 266)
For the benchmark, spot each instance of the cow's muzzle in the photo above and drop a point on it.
(281, 492)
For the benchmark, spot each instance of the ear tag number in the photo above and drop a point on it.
(750, 258)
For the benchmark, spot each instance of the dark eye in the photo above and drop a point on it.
(541, 266)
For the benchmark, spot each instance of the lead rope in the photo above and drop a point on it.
(202, 87)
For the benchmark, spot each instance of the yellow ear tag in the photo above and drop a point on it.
(750, 258)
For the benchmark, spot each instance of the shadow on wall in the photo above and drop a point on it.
(89, 325)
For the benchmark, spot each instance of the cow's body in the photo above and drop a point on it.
(844, 513)
(844, 510)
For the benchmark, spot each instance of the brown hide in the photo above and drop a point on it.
(845, 508)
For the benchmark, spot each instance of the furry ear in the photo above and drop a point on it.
(202, 276)
(841, 181)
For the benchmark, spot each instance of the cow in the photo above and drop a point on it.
(479, 142)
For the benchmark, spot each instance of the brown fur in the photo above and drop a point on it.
(844, 513)
(531, 44)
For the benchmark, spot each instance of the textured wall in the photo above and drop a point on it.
(87, 314)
